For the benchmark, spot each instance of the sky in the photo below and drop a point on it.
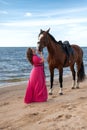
(21, 21)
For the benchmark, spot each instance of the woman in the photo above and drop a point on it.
(36, 89)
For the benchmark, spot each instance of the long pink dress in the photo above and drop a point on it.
(36, 89)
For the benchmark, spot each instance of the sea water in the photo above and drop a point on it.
(14, 66)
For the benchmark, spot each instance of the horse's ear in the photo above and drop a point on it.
(48, 30)
(41, 30)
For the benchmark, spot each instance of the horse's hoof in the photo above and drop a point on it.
(60, 93)
(50, 93)
(77, 87)
(73, 87)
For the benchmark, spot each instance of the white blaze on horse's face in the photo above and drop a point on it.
(37, 46)
(40, 37)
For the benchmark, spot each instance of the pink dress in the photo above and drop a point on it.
(36, 89)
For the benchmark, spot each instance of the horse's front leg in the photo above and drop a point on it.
(73, 75)
(61, 80)
(51, 81)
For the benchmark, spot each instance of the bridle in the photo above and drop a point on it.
(45, 40)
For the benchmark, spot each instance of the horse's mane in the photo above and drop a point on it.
(52, 38)
(56, 42)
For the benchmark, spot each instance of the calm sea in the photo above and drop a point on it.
(15, 68)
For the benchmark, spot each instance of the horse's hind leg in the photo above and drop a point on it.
(61, 80)
(80, 73)
(73, 75)
(51, 80)
(78, 68)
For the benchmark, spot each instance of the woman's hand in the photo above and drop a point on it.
(42, 57)
(39, 52)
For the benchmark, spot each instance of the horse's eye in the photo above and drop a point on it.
(38, 42)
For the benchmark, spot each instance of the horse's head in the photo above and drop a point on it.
(42, 39)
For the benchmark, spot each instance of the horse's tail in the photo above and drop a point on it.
(81, 73)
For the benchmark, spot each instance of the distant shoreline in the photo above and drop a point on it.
(21, 82)
(12, 84)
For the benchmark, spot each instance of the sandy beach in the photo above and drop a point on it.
(66, 112)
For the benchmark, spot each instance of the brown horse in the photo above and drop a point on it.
(57, 58)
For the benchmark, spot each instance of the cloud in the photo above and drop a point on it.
(14, 36)
(72, 28)
(58, 12)
(3, 12)
(44, 22)
(27, 14)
